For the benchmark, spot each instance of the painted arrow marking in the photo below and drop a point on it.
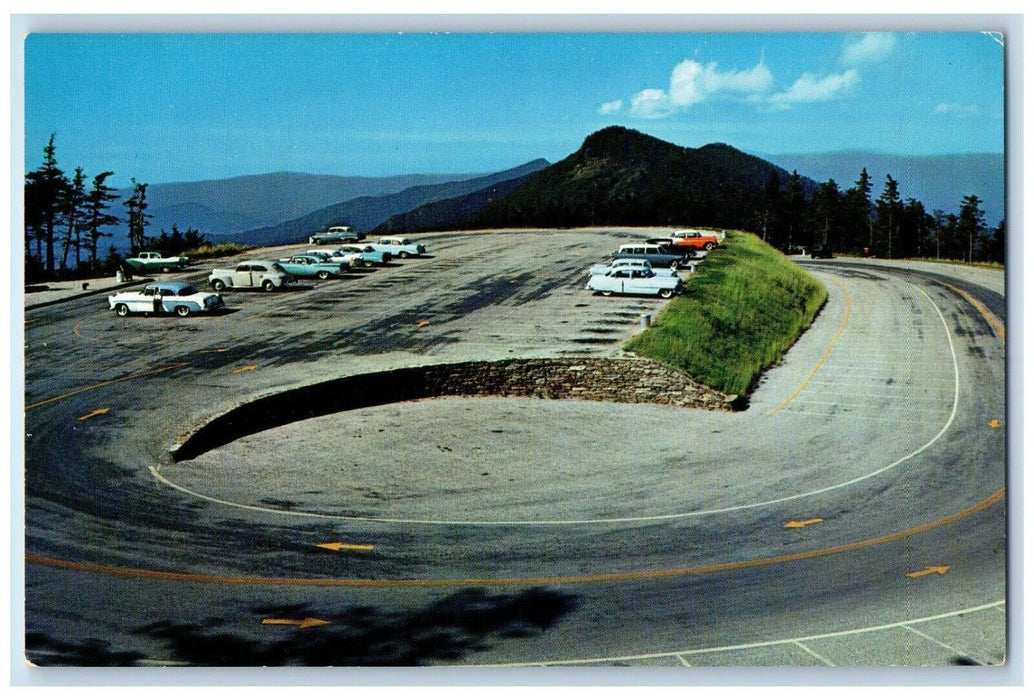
(245, 368)
(94, 412)
(942, 570)
(803, 523)
(338, 546)
(302, 623)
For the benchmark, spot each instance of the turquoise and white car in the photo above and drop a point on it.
(629, 263)
(368, 255)
(309, 266)
(399, 247)
(180, 298)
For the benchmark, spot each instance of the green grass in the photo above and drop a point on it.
(210, 250)
(744, 308)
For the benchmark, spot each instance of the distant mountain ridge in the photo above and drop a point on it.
(229, 206)
(365, 213)
(619, 177)
(939, 182)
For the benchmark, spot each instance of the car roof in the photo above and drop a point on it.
(170, 285)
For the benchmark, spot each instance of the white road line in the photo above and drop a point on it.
(755, 645)
(630, 519)
(938, 642)
(683, 661)
(814, 654)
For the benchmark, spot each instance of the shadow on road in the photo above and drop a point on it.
(467, 621)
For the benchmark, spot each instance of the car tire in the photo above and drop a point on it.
(218, 285)
(403, 254)
(182, 311)
(121, 310)
(323, 274)
(166, 268)
(268, 285)
(606, 293)
(674, 265)
(666, 293)
(367, 263)
(708, 246)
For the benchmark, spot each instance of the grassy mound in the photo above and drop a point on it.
(743, 309)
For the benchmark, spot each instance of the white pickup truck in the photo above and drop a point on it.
(265, 274)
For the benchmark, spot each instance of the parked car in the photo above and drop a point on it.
(264, 274)
(657, 255)
(150, 261)
(333, 255)
(632, 263)
(635, 281)
(697, 240)
(399, 247)
(368, 255)
(312, 266)
(336, 234)
(821, 251)
(180, 298)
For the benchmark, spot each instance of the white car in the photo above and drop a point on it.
(338, 256)
(635, 281)
(399, 247)
(180, 298)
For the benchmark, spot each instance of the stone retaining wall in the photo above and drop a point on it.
(623, 380)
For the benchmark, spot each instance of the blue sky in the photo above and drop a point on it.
(182, 107)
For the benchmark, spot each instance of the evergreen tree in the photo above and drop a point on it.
(971, 222)
(97, 215)
(137, 216)
(915, 228)
(74, 205)
(45, 189)
(826, 208)
(889, 212)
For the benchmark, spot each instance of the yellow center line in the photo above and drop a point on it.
(988, 316)
(825, 355)
(103, 384)
(530, 581)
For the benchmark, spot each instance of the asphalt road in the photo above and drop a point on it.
(515, 531)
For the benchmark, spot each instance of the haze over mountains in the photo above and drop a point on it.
(618, 176)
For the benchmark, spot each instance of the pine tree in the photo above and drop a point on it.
(45, 190)
(137, 216)
(74, 205)
(888, 211)
(971, 221)
(97, 216)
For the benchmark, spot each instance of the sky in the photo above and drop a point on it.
(185, 107)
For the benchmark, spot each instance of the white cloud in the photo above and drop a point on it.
(692, 82)
(651, 103)
(811, 88)
(872, 47)
(956, 108)
(611, 107)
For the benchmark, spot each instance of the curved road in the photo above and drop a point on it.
(853, 515)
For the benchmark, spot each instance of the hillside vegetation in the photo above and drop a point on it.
(743, 309)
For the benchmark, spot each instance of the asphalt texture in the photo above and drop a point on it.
(518, 532)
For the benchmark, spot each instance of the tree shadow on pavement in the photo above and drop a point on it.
(469, 620)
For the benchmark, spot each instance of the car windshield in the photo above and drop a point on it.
(276, 266)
